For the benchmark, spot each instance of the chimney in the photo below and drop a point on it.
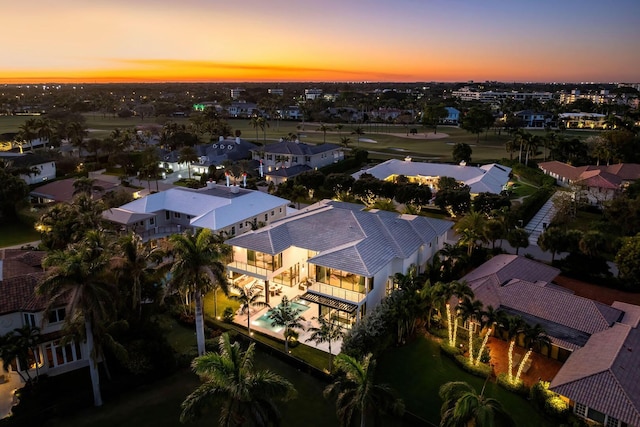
(407, 159)
(211, 184)
(220, 138)
(237, 140)
(235, 189)
(463, 163)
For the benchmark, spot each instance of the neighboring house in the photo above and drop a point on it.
(62, 191)
(596, 183)
(491, 178)
(522, 287)
(453, 116)
(289, 154)
(597, 343)
(338, 255)
(20, 273)
(532, 119)
(602, 379)
(43, 168)
(242, 109)
(213, 154)
(583, 120)
(230, 210)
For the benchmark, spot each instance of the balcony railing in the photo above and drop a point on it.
(243, 267)
(334, 291)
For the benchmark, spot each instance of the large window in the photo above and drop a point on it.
(59, 354)
(340, 279)
(262, 260)
(29, 319)
(57, 315)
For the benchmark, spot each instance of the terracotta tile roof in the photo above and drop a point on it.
(19, 276)
(62, 191)
(506, 267)
(605, 374)
(612, 174)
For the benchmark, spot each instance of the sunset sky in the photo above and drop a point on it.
(319, 40)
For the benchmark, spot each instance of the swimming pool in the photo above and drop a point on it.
(264, 321)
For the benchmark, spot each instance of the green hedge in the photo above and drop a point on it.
(519, 387)
(532, 204)
(551, 403)
(482, 370)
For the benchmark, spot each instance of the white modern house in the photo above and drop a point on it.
(491, 178)
(226, 210)
(336, 255)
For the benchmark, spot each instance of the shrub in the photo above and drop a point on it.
(550, 402)
(519, 387)
(481, 370)
(449, 350)
(228, 315)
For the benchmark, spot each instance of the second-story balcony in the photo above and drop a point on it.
(336, 292)
(243, 267)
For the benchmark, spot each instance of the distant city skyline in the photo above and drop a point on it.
(73, 41)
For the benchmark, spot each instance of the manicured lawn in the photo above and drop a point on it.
(417, 370)
(16, 233)
(158, 404)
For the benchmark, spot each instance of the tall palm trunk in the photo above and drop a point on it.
(199, 324)
(93, 365)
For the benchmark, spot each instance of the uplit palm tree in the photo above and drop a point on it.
(248, 297)
(245, 396)
(187, 156)
(534, 337)
(284, 315)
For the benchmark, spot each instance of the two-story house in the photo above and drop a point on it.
(337, 255)
(35, 167)
(20, 273)
(226, 210)
(286, 159)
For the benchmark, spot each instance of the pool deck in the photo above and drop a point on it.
(291, 293)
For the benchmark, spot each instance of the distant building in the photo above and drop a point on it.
(285, 159)
(312, 94)
(236, 93)
(533, 119)
(583, 120)
(491, 178)
(453, 116)
(279, 92)
(468, 94)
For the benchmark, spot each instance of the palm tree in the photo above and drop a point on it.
(248, 297)
(198, 268)
(345, 141)
(135, 262)
(553, 239)
(356, 391)
(471, 311)
(471, 228)
(80, 276)
(463, 407)
(328, 332)
(76, 133)
(255, 123)
(263, 124)
(28, 131)
(534, 337)
(188, 155)
(284, 315)
(460, 290)
(513, 326)
(324, 129)
(28, 339)
(358, 132)
(85, 185)
(245, 396)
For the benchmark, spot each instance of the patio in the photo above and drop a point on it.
(275, 298)
(542, 367)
